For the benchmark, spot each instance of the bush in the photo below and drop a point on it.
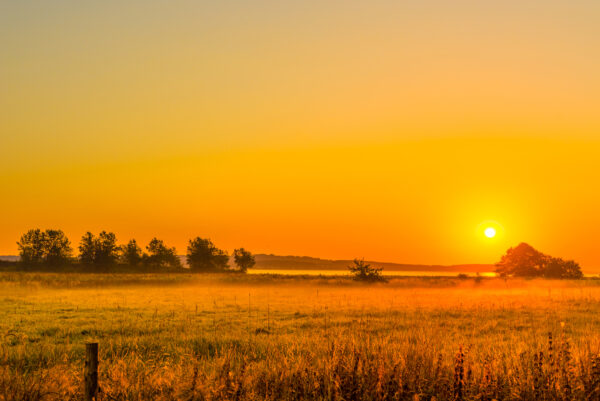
(364, 272)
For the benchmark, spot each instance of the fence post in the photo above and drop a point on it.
(91, 371)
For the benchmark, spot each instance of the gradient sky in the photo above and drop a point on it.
(390, 130)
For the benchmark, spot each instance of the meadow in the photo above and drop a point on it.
(264, 337)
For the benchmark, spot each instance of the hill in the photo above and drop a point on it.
(277, 262)
(266, 262)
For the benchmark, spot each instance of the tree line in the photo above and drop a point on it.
(52, 250)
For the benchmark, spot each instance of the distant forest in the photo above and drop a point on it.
(51, 250)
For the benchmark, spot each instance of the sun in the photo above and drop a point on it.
(490, 232)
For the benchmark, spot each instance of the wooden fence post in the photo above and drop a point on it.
(91, 371)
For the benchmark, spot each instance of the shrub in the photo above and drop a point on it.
(364, 272)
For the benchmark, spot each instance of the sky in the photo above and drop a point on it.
(391, 130)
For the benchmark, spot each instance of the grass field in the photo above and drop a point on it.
(236, 337)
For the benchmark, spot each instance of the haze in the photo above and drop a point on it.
(390, 131)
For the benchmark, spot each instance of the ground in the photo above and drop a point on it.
(187, 337)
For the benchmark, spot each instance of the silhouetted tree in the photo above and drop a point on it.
(364, 272)
(131, 254)
(525, 261)
(522, 260)
(204, 256)
(58, 248)
(559, 268)
(87, 249)
(101, 251)
(160, 256)
(50, 248)
(31, 248)
(243, 259)
(107, 250)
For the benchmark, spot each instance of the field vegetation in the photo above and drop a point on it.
(239, 337)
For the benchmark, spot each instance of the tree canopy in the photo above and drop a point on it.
(525, 261)
(99, 251)
(50, 248)
(160, 256)
(131, 253)
(243, 259)
(203, 255)
(40, 250)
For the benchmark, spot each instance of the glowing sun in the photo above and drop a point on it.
(490, 232)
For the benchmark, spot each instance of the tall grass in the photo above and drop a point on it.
(211, 338)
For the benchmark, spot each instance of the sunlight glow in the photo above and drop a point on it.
(490, 232)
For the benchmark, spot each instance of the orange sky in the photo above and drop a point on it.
(387, 130)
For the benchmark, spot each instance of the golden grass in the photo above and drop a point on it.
(235, 337)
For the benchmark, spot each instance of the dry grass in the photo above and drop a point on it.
(234, 337)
